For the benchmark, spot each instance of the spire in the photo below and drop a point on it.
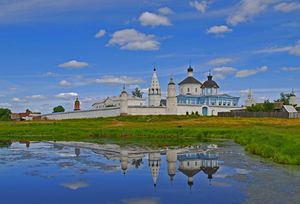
(209, 77)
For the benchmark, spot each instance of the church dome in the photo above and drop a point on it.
(209, 83)
(190, 80)
(190, 69)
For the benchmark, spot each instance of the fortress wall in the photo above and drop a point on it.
(147, 110)
(109, 112)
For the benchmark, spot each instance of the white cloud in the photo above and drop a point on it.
(51, 74)
(37, 10)
(290, 69)
(66, 96)
(293, 50)
(5, 105)
(249, 72)
(222, 72)
(37, 97)
(220, 61)
(274, 49)
(287, 6)
(118, 80)
(165, 11)
(200, 6)
(18, 100)
(64, 83)
(152, 19)
(219, 29)
(74, 64)
(101, 33)
(248, 9)
(130, 39)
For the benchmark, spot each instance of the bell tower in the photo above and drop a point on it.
(154, 92)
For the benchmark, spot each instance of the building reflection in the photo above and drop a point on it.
(171, 161)
(77, 151)
(188, 161)
(124, 161)
(154, 165)
(27, 143)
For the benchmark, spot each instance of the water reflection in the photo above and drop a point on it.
(189, 160)
(109, 173)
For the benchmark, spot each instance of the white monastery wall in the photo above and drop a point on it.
(147, 110)
(109, 112)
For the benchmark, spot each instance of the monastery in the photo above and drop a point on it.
(194, 98)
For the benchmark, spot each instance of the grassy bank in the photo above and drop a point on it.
(277, 139)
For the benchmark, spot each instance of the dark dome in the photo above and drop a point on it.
(190, 69)
(210, 83)
(190, 80)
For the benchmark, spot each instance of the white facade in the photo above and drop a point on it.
(115, 101)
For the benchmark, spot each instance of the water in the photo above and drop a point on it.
(89, 173)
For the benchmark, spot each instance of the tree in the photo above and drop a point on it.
(5, 114)
(267, 106)
(58, 109)
(137, 93)
(284, 98)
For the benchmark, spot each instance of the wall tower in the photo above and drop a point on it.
(171, 98)
(124, 102)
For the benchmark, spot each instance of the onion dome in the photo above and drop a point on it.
(209, 83)
(171, 82)
(190, 69)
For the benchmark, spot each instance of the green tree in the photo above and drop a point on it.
(284, 98)
(5, 114)
(137, 93)
(267, 106)
(58, 109)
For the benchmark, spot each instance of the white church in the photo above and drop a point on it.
(194, 98)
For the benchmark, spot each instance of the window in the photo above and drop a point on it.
(196, 90)
(188, 90)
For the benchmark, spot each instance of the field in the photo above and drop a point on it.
(276, 139)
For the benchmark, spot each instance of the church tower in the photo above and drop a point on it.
(154, 165)
(124, 102)
(171, 98)
(77, 105)
(250, 99)
(154, 93)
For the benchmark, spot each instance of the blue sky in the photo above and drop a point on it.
(52, 51)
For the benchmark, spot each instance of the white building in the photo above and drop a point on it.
(194, 98)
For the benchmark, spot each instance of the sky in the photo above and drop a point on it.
(52, 51)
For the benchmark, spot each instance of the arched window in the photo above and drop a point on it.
(188, 90)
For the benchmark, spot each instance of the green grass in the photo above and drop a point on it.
(276, 139)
